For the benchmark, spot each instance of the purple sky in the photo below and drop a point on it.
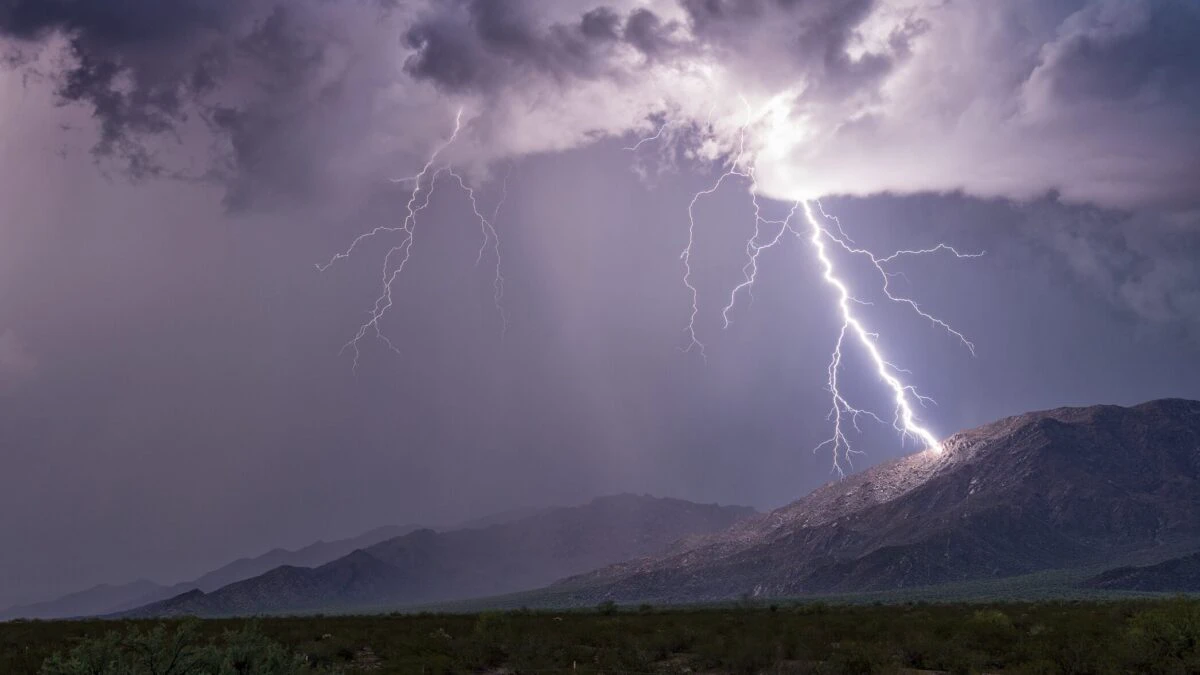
(171, 390)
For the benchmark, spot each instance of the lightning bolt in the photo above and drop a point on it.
(905, 420)
(488, 228)
(735, 168)
(753, 249)
(843, 414)
(398, 255)
(821, 233)
(648, 139)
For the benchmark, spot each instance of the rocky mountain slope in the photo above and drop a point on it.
(1038, 491)
(427, 566)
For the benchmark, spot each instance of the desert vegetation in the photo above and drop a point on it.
(1136, 636)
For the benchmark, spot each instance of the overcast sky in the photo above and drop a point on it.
(173, 390)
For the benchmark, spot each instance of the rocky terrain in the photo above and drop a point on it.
(1039, 491)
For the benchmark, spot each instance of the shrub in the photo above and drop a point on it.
(178, 652)
(1167, 639)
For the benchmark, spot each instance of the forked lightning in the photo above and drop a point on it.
(423, 183)
(819, 229)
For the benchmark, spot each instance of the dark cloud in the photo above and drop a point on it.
(647, 32)
(135, 63)
(263, 160)
(245, 75)
(447, 53)
(1096, 99)
(1120, 80)
(1142, 264)
(505, 47)
(115, 24)
(484, 45)
(812, 41)
(725, 19)
(601, 23)
(1121, 51)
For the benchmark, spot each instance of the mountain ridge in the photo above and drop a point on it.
(114, 598)
(1025, 493)
(105, 599)
(427, 566)
(1070, 488)
(1175, 575)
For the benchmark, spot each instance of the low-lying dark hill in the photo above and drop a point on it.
(1177, 575)
(427, 566)
(1039, 491)
(314, 554)
(93, 601)
(115, 598)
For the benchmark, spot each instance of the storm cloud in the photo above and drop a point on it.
(1097, 101)
(226, 92)
(136, 64)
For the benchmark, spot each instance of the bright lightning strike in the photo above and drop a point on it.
(736, 168)
(488, 228)
(905, 418)
(398, 255)
(905, 397)
(821, 233)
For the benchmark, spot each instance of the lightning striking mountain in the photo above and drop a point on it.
(905, 420)
(821, 232)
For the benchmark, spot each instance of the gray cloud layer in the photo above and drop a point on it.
(137, 64)
(1098, 100)
(228, 91)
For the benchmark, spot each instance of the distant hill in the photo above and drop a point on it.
(111, 599)
(1176, 575)
(427, 566)
(314, 554)
(91, 602)
(1041, 491)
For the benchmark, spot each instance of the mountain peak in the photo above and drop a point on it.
(1040, 490)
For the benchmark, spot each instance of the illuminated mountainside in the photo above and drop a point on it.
(1038, 491)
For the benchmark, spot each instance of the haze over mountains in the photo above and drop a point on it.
(112, 598)
(1110, 489)
(1045, 490)
(427, 566)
